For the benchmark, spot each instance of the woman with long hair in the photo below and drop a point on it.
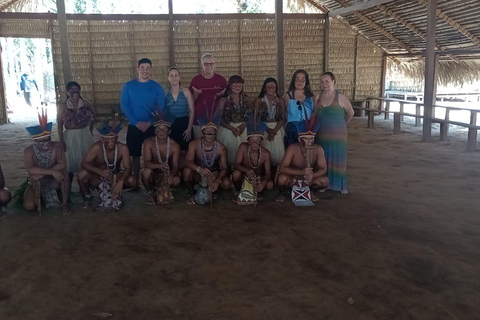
(235, 108)
(270, 108)
(179, 102)
(334, 112)
(298, 100)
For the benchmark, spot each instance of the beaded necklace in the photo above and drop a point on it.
(271, 110)
(43, 161)
(114, 165)
(250, 162)
(158, 150)
(236, 107)
(208, 163)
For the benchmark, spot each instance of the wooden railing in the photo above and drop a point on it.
(398, 117)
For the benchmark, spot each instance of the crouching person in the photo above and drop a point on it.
(160, 156)
(106, 167)
(45, 165)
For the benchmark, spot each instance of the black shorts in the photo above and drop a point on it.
(135, 138)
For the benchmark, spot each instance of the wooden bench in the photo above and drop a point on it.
(398, 117)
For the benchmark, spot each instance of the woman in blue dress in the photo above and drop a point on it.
(298, 100)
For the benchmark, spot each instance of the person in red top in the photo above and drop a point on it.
(207, 88)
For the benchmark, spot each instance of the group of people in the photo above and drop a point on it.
(211, 135)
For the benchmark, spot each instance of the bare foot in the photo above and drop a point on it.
(134, 188)
(344, 191)
(86, 203)
(67, 211)
(314, 197)
(280, 198)
(191, 200)
(151, 200)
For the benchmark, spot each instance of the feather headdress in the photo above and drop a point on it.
(255, 127)
(44, 128)
(308, 127)
(211, 117)
(162, 117)
(109, 127)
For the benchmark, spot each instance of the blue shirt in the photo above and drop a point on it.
(178, 108)
(293, 112)
(140, 99)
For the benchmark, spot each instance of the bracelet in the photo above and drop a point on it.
(198, 169)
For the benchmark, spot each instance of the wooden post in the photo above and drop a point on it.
(387, 110)
(326, 43)
(430, 66)
(2, 92)
(384, 75)
(355, 68)
(396, 123)
(171, 40)
(402, 108)
(472, 132)
(280, 47)
(62, 25)
(447, 118)
(418, 120)
(371, 118)
(443, 131)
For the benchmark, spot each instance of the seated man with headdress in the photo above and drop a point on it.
(107, 167)
(253, 168)
(160, 157)
(303, 161)
(206, 164)
(45, 165)
(5, 194)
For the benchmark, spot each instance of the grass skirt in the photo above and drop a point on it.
(276, 147)
(78, 142)
(231, 142)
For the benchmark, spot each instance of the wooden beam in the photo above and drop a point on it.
(171, 36)
(379, 29)
(8, 4)
(447, 52)
(454, 24)
(358, 7)
(429, 92)
(389, 12)
(153, 17)
(280, 47)
(62, 25)
(318, 6)
(326, 44)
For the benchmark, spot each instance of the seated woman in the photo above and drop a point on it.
(78, 117)
(5, 194)
(235, 109)
(270, 109)
(298, 100)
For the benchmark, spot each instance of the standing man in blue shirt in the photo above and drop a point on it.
(140, 97)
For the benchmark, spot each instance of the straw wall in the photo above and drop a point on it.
(303, 42)
(369, 70)
(342, 56)
(104, 53)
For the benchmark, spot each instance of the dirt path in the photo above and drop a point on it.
(403, 245)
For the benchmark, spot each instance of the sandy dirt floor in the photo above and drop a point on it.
(404, 244)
